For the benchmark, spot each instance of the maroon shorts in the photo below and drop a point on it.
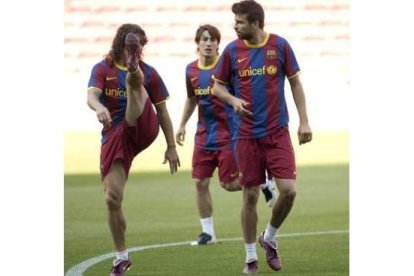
(125, 142)
(273, 153)
(206, 161)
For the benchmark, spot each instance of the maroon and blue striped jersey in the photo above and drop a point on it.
(111, 80)
(214, 126)
(257, 74)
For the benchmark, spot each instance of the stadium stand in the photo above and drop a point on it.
(318, 29)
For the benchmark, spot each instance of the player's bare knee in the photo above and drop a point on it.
(226, 186)
(131, 121)
(113, 200)
(250, 197)
(230, 186)
(288, 195)
(202, 185)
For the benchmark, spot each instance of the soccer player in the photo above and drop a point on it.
(257, 64)
(122, 90)
(213, 147)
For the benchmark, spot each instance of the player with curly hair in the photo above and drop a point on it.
(122, 90)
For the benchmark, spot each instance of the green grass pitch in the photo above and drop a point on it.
(160, 208)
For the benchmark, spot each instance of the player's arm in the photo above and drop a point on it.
(167, 128)
(189, 107)
(220, 90)
(304, 131)
(93, 102)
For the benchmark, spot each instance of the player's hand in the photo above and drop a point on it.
(239, 107)
(172, 157)
(180, 136)
(103, 115)
(304, 134)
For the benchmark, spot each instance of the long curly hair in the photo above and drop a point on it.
(118, 44)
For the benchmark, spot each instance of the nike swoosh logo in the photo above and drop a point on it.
(111, 78)
(193, 79)
(241, 59)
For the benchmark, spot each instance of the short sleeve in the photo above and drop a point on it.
(291, 64)
(156, 88)
(97, 77)
(222, 71)
(189, 86)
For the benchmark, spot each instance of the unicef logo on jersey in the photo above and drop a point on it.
(115, 92)
(270, 70)
(202, 91)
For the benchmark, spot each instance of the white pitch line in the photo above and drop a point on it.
(80, 268)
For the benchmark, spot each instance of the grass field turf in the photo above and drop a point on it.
(160, 208)
(81, 151)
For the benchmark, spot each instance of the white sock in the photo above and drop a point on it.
(207, 225)
(122, 255)
(250, 252)
(266, 184)
(270, 233)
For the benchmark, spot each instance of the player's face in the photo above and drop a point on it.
(243, 28)
(208, 45)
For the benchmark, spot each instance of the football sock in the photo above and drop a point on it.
(268, 183)
(207, 225)
(250, 252)
(122, 255)
(270, 233)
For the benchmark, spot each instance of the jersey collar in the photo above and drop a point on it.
(202, 67)
(261, 44)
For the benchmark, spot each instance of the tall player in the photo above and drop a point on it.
(213, 147)
(122, 90)
(257, 64)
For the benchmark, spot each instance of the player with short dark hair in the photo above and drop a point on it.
(257, 64)
(213, 146)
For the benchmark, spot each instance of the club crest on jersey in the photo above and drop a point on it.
(271, 54)
(271, 70)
